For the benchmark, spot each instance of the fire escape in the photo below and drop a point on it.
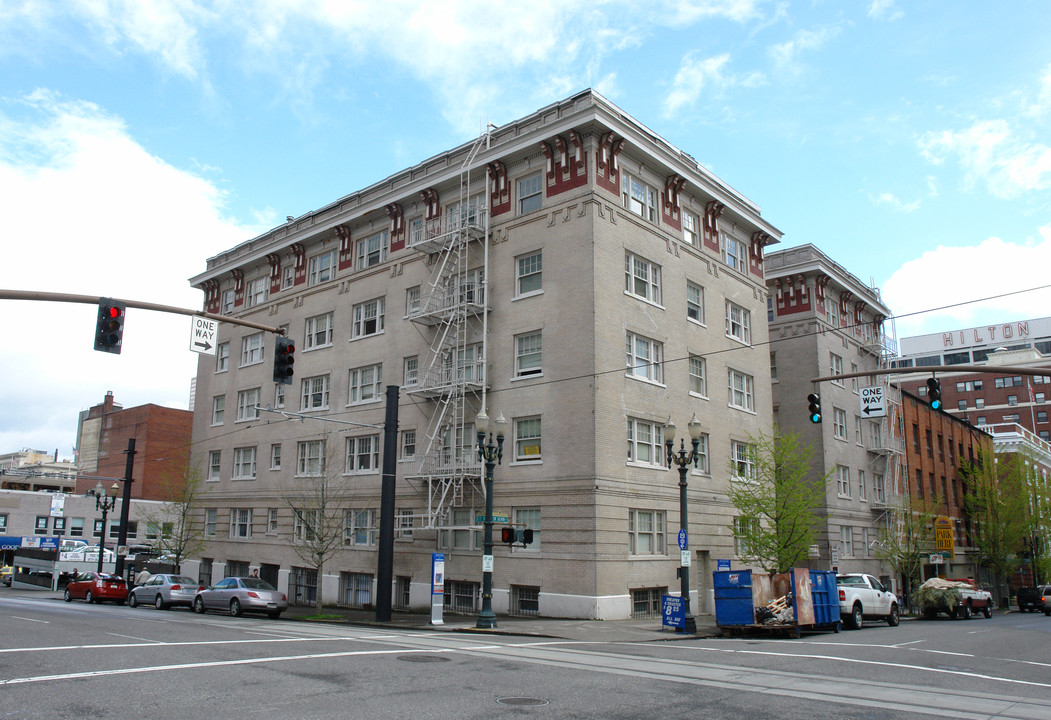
(451, 312)
(887, 445)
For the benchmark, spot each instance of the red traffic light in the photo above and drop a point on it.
(113, 311)
(507, 535)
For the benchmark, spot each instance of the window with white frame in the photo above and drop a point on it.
(832, 313)
(646, 532)
(846, 542)
(528, 352)
(408, 444)
(743, 460)
(859, 435)
(738, 323)
(744, 528)
(703, 460)
(691, 229)
(359, 527)
(226, 305)
(862, 490)
(698, 375)
(215, 464)
(275, 456)
(240, 523)
(363, 454)
(642, 278)
(835, 367)
(645, 358)
(288, 277)
(76, 526)
(530, 193)
(411, 374)
(366, 384)
(529, 273)
(773, 367)
(247, 402)
(368, 318)
(839, 423)
(244, 463)
(412, 300)
(741, 388)
(271, 521)
(527, 439)
(529, 518)
(321, 268)
(305, 523)
(222, 357)
(461, 537)
(218, 409)
(252, 349)
(879, 492)
(256, 291)
(645, 442)
(310, 458)
(735, 253)
(695, 302)
(416, 231)
(210, 517)
(843, 481)
(854, 380)
(639, 198)
(279, 395)
(373, 250)
(318, 331)
(404, 521)
(470, 364)
(314, 394)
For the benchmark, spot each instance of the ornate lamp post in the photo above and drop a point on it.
(105, 503)
(683, 459)
(490, 454)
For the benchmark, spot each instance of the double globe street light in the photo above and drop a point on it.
(491, 455)
(684, 459)
(104, 502)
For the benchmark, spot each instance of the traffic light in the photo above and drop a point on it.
(815, 407)
(527, 535)
(510, 535)
(507, 535)
(109, 330)
(284, 358)
(934, 393)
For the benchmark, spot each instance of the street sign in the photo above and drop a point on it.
(684, 558)
(871, 401)
(202, 335)
(944, 541)
(487, 563)
(722, 564)
(682, 539)
(496, 518)
(937, 559)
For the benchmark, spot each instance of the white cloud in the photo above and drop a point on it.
(786, 55)
(694, 76)
(885, 10)
(91, 212)
(951, 275)
(895, 202)
(686, 12)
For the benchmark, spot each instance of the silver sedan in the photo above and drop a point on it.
(165, 591)
(238, 595)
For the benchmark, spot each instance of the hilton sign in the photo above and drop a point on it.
(988, 336)
(983, 335)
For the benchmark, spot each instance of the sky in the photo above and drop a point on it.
(909, 141)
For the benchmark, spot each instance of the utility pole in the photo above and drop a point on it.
(122, 537)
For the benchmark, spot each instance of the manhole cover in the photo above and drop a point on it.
(522, 701)
(423, 658)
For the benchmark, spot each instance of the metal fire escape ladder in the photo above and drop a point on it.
(452, 377)
(887, 452)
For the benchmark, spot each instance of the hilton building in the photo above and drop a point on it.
(570, 271)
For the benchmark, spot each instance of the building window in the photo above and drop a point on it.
(744, 528)
(698, 375)
(288, 277)
(252, 349)
(412, 301)
(209, 522)
(879, 491)
(318, 331)
(695, 302)
(742, 460)
(218, 409)
(275, 456)
(529, 273)
(979, 403)
(373, 250)
(222, 357)
(241, 522)
(255, 291)
(843, 481)
(642, 278)
(690, 225)
(1038, 398)
(738, 323)
(646, 532)
(854, 380)
(835, 367)
(734, 253)
(321, 268)
(40, 526)
(411, 371)
(279, 395)
(368, 318)
(846, 542)
(530, 193)
(363, 454)
(839, 423)
(527, 439)
(529, 518)
(528, 353)
(1041, 417)
(366, 384)
(858, 436)
(773, 367)
(304, 523)
(244, 463)
(525, 600)
(403, 523)
(461, 537)
(408, 444)
(227, 303)
(271, 521)
(639, 198)
(644, 358)
(215, 464)
(1012, 399)
(703, 464)
(359, 527)
(247, 404)
(314, 394)
(741, 390)
(645, 442)
(76, 526)
(862, 490)
(961, 404)
(310, 458)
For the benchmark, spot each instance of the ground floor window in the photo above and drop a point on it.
(236, 568)
(204, 573)
(302, 586)
(461, 597)
(646, 602)
(355, 589)
(401, 592)
(269, 573)
(525, 601)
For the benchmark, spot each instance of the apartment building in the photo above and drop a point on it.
(570, 271)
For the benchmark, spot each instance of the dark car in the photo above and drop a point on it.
(164, 591)
(238, 595)
(1035, 598)
(95, 587)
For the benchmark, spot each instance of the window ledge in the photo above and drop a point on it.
(644, 466)
(698, 323)
(645, 380)
(534, 376)
(317, 347)
(371, 401)
(523, 296)
(514, 463)
(366, 337)
(645, 300)
(698, 395)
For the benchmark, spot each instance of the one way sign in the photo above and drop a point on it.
(202, 335)
(872, 402)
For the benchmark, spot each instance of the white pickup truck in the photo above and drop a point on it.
(864, 597)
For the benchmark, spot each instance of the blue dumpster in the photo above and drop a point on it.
(813, 595)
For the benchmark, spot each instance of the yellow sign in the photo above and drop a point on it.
(943, 535)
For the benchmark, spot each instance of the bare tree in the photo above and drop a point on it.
(179, 520)
(908, 539)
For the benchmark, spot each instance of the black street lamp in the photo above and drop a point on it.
(491, 454)
(105, 503)
(683, 459)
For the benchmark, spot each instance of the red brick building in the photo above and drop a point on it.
(162, 445)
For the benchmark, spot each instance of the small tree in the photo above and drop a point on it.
(179, 520)
(776, 497)
(908, 540)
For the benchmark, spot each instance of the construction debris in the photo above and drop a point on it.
(777, 612)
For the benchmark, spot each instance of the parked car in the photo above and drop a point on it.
(956, 597)
(95, 587)
(864, 597)
(1035, 598)
(5, 574)
(237, 595)
(164, 591)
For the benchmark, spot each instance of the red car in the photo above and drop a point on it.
(95, 587)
